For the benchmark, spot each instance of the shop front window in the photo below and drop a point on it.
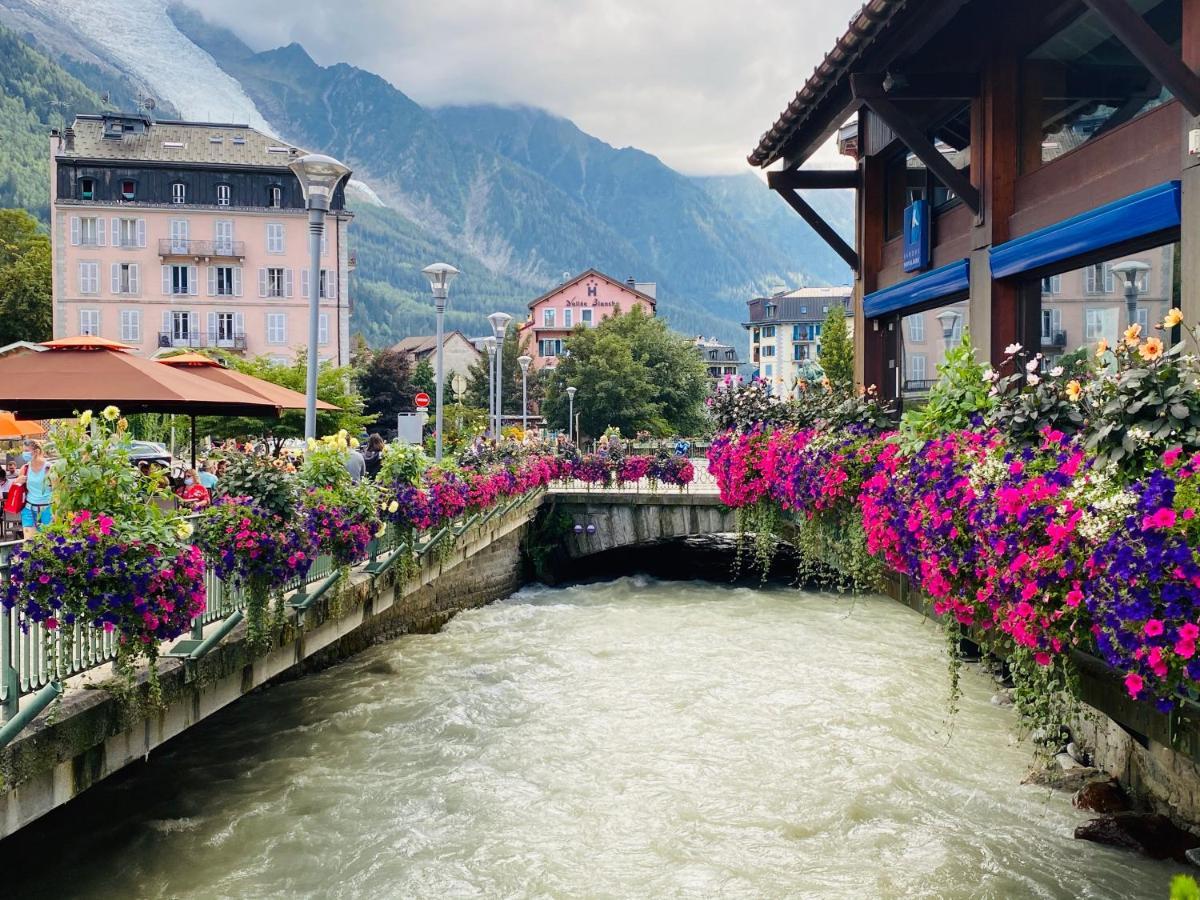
(1083, 82)
(925, 339)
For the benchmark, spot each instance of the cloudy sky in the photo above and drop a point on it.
(693, 81)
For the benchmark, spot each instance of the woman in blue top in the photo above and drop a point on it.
(35, 475)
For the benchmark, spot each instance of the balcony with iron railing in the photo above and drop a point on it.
(200, 339)
(168, 247)
(1056, 339)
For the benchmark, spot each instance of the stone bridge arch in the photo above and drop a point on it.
(629, 519)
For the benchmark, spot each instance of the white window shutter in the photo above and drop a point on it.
(262, 282)
(212, 326)
(193, 278)
(287, 282)
(166, 322)
(166, 281)
(330, 283)
(304, 283)
(83, 278)
(116, 231)
(237, 281)
(135, 286)
(212, 281)
(115, 269)
(239, 324)
(75, 231)
(141, 232)
(99, 231)
(283, 328)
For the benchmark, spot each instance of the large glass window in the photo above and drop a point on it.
(1083, 82)
(925, 337)
(1093, 302)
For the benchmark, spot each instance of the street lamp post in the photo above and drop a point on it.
(489, 344)
(499, 322)
(319, 177)
(1131, 269)
(570, 413)
(523, 362)
(949, 319)
(440, 275)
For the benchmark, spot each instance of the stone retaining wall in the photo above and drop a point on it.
(91, 734)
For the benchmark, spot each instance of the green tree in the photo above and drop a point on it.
(385, 380)
(515, 344)
(335, 384)
(837, 350)
(26, 304)
(631, 372)
(424, 378)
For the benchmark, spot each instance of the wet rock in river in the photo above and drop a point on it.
(1150, 834)
(1104, 795)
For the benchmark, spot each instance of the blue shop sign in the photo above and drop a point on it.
(916, 236)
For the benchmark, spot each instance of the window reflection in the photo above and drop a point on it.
(925, 337)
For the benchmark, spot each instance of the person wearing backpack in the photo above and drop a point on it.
(34, 482)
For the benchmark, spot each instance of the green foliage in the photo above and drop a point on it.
(93, 472)
(402, 464)
(35, 95)
(424, 377)
(334, 385)
(631, 372)
(264, 479)
(1184, 887)
(1024, 405)
(324, 467)
(515, 344)
(385, 380)
(25, 287)
(837, 350)
(960, 394)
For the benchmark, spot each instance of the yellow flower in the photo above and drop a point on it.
(1173, 317)
(185, 530)
(122, 424)
(312, 443)
(1133, 334)
(85, 419)
(343, 434)
(353, 443)
(1074, 389)
(1151, 350)
(1101, 347)
(111, 413)
(381, 530)
(393, 506)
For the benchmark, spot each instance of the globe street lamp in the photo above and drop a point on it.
(570, 413)
(319, 177)
(440, 275)
(1131, 269)
(499, 322)
(489, 344)
(524, 362)
(949, 319)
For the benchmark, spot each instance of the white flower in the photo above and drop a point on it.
(185, 530)
(1032, 379)
(1056, 372)
(990, 374)
(1012, 348)
(1031, 366)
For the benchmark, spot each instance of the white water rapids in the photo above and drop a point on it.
(629, 739)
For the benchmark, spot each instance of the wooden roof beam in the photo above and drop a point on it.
(869, 89)
(813, 179)
(819, 225)
(1152, 51)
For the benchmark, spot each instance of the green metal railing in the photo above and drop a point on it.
(33, 658)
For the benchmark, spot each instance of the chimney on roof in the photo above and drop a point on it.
(631, 281)
(69, 139)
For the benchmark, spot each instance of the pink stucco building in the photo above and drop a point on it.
(583, 300)
(174, 234)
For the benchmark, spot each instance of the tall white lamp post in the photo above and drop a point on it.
(489, 344)
(319, 177)
(570, 413)
(523, 362)
(499, 322)
(1131, 269)
(440, 275)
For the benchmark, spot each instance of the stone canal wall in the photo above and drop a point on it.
(91, 734)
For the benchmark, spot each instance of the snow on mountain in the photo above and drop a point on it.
(140, 37)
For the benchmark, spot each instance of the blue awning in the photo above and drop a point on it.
(943, 282)
(1138, 215)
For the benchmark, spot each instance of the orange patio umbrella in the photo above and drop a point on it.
(206, 367)
(13, 429)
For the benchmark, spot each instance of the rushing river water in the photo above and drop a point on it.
(628, 739)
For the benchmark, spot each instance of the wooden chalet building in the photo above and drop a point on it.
(1026, 170)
